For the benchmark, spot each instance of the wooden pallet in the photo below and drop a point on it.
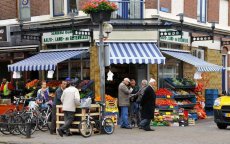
(79, 115)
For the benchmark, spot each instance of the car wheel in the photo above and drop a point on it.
(222, 126)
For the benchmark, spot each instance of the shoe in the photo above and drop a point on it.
(68, 134)
(60, 132)
(126, 127)
(149, 129)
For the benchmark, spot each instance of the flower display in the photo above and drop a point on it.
(94, 6)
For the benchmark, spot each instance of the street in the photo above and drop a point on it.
(204, 132)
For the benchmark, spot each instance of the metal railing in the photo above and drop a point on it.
(129, 9)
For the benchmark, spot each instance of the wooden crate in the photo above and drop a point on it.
(79, 115)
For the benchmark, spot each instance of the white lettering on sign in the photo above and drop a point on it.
(63, 37)
(176, 39)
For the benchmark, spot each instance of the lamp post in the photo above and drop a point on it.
(181, 15)
(107, 28)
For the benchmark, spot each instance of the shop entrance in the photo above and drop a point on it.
(121, 71)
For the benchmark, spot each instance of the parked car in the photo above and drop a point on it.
(222, 112)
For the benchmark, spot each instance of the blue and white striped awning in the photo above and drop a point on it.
(44, 60)
(201, 65)
(135, 52)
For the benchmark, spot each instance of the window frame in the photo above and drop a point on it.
(55, 15)
(202, 8)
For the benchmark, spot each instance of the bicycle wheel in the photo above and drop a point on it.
(85, 128)
(4, 127)
(14, 122)
(108, 126)
(27, 119)
(43, 121)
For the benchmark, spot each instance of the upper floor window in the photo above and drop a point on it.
(58, 7)
(202, 10)
(64, 7)
(72, 6)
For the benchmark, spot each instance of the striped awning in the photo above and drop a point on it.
(135, 52)
(201, 65)
(44, 60)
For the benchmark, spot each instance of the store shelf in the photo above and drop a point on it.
(170, 83)
(184, 96)
(187, 105)
(167, 108)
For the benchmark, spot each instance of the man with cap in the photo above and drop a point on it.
(148, 106)
(124, 103)
(70, 99)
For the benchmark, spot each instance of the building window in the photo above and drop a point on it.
(72, 6)
(58, 7)
(202, 10)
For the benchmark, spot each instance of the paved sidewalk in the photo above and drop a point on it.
(204, 132)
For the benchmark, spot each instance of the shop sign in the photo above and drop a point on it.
(3, 34)
(176, 38)
(63, 37)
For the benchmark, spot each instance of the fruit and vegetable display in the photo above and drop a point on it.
(86, 88)
(166, 102)
(163, 92)
(181, 83)
(111, 104)
(184, 102)
(53, 84)
(33, 84)
(165, 119)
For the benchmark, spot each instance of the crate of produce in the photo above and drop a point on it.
(193, 116)
(113, 115)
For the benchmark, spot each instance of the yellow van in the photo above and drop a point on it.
(222, 112)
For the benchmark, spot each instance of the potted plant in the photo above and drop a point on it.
(99, 10)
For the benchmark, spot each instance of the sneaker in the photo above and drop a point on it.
(60, 132)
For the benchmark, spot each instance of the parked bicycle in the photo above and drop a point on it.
(86, 126)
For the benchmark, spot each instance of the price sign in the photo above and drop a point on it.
(171, 106)
(168, 113)
(168, 96)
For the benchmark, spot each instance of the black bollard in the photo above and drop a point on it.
(28, 130)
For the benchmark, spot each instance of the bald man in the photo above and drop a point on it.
(124, 103)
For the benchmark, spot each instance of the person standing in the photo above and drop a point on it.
(56, 101)
(133, 104)
(6, 89)
(139, 94)
(43, 95)
(148, 106)
(124, 102)
(70, 99)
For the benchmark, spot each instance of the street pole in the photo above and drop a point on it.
(102, 62)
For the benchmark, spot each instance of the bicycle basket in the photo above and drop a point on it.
(86, 103)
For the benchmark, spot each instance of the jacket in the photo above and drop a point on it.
(123, 95)
(70, 99)
(148, 103)
(57, 98)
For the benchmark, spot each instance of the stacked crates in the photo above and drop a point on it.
(210, 96)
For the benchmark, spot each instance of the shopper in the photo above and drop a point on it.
(6, 89)
(148, 106)
(43, 96)
(70, 99)
(139, 94)
(133, 104)
(124, 103)
(57, 101)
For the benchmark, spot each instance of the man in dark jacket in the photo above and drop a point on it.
(57, 101)
(148, 106)
(124, 103)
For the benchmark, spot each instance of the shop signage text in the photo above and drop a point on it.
(176, 39)
(62, 36)
(3, 34)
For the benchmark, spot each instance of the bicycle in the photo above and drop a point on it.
(86, 126)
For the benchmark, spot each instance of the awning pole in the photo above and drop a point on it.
(69, 69)
(57, 73)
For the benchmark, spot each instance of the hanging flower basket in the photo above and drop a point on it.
(99, 10)
(101, 16)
